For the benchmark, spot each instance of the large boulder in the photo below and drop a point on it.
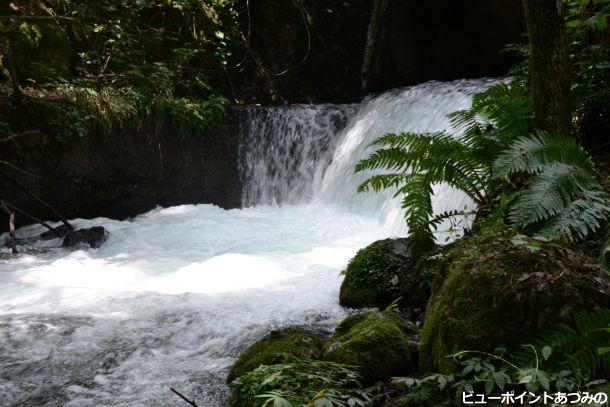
(498, 288)
(374, 276)
(377, 342)
(274, 348)
(92, 237)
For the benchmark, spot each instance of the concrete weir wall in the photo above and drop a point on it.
(124, 173)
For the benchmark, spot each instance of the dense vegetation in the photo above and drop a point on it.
(109, 63)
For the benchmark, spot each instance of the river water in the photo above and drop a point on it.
(175, 294)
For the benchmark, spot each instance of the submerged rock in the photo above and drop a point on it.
(496, 291)
(62, 230)
(273, 349)
(374, 341)
(374, 276)
(93, 237)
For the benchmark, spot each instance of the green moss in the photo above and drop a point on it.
(273, 349)
(415, 290)
(374, 275)
(375, 341)
(496, 291)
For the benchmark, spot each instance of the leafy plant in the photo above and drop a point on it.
(300, 382)
(418, 161)
(546, 182)
(561, 197)
(560, 358)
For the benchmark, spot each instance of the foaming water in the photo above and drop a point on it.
(175, 294)
(169, 300)
(318, 164)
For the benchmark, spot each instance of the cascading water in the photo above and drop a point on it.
(175, 294)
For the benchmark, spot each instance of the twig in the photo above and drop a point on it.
(15, 135)
(37, 18)
(191, 402)
(37, 199)
(35, 219)
(13, 166)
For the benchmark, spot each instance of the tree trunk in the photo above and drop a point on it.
(12, 71)
(549, 65)
(375, 37)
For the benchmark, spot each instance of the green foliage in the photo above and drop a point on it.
(561, 196)
(299, 383)
(547, 183)
(587, 27)
(129, 62)
(561, 358)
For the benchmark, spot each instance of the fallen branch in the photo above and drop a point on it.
(35, 219)
(192, 403)
(37, 18)
(13, 166)
(36, 198)
(15, 135)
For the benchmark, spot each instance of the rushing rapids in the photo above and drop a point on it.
(175, 294)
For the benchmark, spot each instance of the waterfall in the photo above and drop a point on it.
(177, 293)
(305, 153)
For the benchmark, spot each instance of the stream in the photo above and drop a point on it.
(174, 295)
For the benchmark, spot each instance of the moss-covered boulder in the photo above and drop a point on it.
(416, 287)
(498, 288)
(374, 276)
(375, 341)
(273, 349)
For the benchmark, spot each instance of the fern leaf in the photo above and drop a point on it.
(549, 193)
(582, 216)
(532, 153)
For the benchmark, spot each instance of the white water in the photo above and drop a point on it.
(175, 294)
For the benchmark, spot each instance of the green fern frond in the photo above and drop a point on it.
(508, 106)
(574, 349)
(417, 203)
(549, 193)
(383, 181)
(532, 153)
(583, 216)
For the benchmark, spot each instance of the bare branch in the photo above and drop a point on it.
(192, 403)
(36, 18)
(13, 166)
(15, 135)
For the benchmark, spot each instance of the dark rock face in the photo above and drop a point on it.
(125, 173)
(93, 237)
(440, 40)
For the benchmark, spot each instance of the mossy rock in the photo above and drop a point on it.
(374, 276)
(374, 341)
(415, 289)
(273, 349)
(498, 289)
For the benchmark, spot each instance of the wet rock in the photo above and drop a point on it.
(92, 237)
(61, 230)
